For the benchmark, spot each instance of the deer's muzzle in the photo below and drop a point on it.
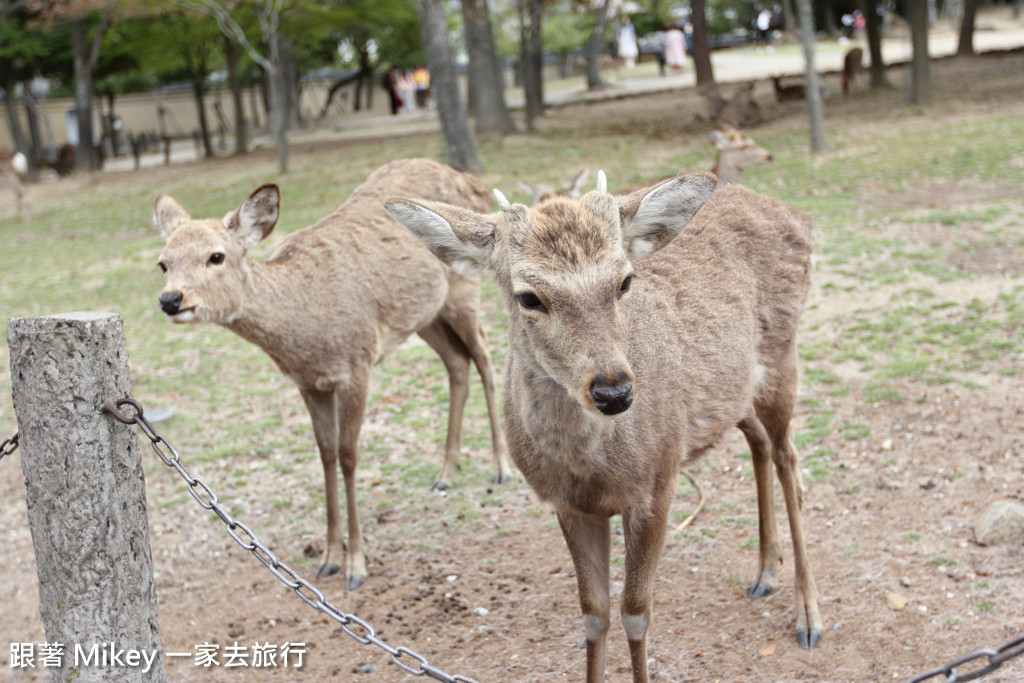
(171, 303)
(612, 395)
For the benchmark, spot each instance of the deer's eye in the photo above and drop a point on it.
(530, 302)
(216, 259)
(163, 267)
(626, 284)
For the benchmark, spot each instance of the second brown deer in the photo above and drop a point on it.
(641, 328)
(334, 299)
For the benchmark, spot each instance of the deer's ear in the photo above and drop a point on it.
(460, 238)
(168, 214)
(651, 217)
(256, 217)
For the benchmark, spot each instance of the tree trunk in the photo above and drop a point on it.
(871, 25)
(920, 62)
(536, 8)
(278, 102)
(701, 47)
(86, 52)
(460, 144)
(11, 104)
(199, 93)
(595, 46)
(486, 83)
(812, 85)
(966, 46)
(232, 55)
(788, 16)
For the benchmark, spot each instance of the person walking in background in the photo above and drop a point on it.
(675, 50)
(391, 85)
(407, 90)
(625, 36)
(421, 77)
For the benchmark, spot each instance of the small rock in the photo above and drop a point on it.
(235, 630)
(481, 611)
(887, 445)
(366, 669)
(1001, 523)
(905, 582)
(895, 601)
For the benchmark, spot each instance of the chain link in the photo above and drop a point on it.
(996, 657)
(353, 626)
(8, 446)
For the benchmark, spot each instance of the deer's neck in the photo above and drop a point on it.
(726, 170)
(263, 313)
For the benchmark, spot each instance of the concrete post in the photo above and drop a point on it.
(86, 498)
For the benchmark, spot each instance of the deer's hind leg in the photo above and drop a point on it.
(774, 408)
(464, 321)
(439, 335)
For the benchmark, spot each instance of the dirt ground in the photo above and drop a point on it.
(904, 587)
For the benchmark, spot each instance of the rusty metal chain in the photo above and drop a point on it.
(996, 657)
(8, 446)
(359, 630)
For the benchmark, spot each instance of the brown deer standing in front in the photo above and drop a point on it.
(736, 151)
(625, 360)
(13, 167)
(333, 300)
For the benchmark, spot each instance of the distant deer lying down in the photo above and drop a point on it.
(625, 360)
(332, 301)
(13, 167)
(736, 151)
(787, 93)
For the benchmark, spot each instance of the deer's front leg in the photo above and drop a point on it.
(644, 532)
(589, 544)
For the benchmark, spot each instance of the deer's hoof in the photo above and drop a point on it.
(501, 479)
(439, 486)
(354, 581)
(808, 638)
(328, 569)
(760, 590)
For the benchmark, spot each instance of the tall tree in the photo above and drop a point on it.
(270, 15)
(486, 78)
(531, 53)
(595, 45)
(812, 84)
(460, 144)
(920, 62)
(701, 46)
(18, 48)
(871, 25)
(87, 31)
(965, 47)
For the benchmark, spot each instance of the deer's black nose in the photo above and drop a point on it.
(612, 395)
(170, 303)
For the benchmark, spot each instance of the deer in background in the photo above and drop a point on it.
(741, 110)
(572, 190)
(332, 300)
(736, 151)
(853, 68)
(13, 167)
(624, 360)
(787, 93)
